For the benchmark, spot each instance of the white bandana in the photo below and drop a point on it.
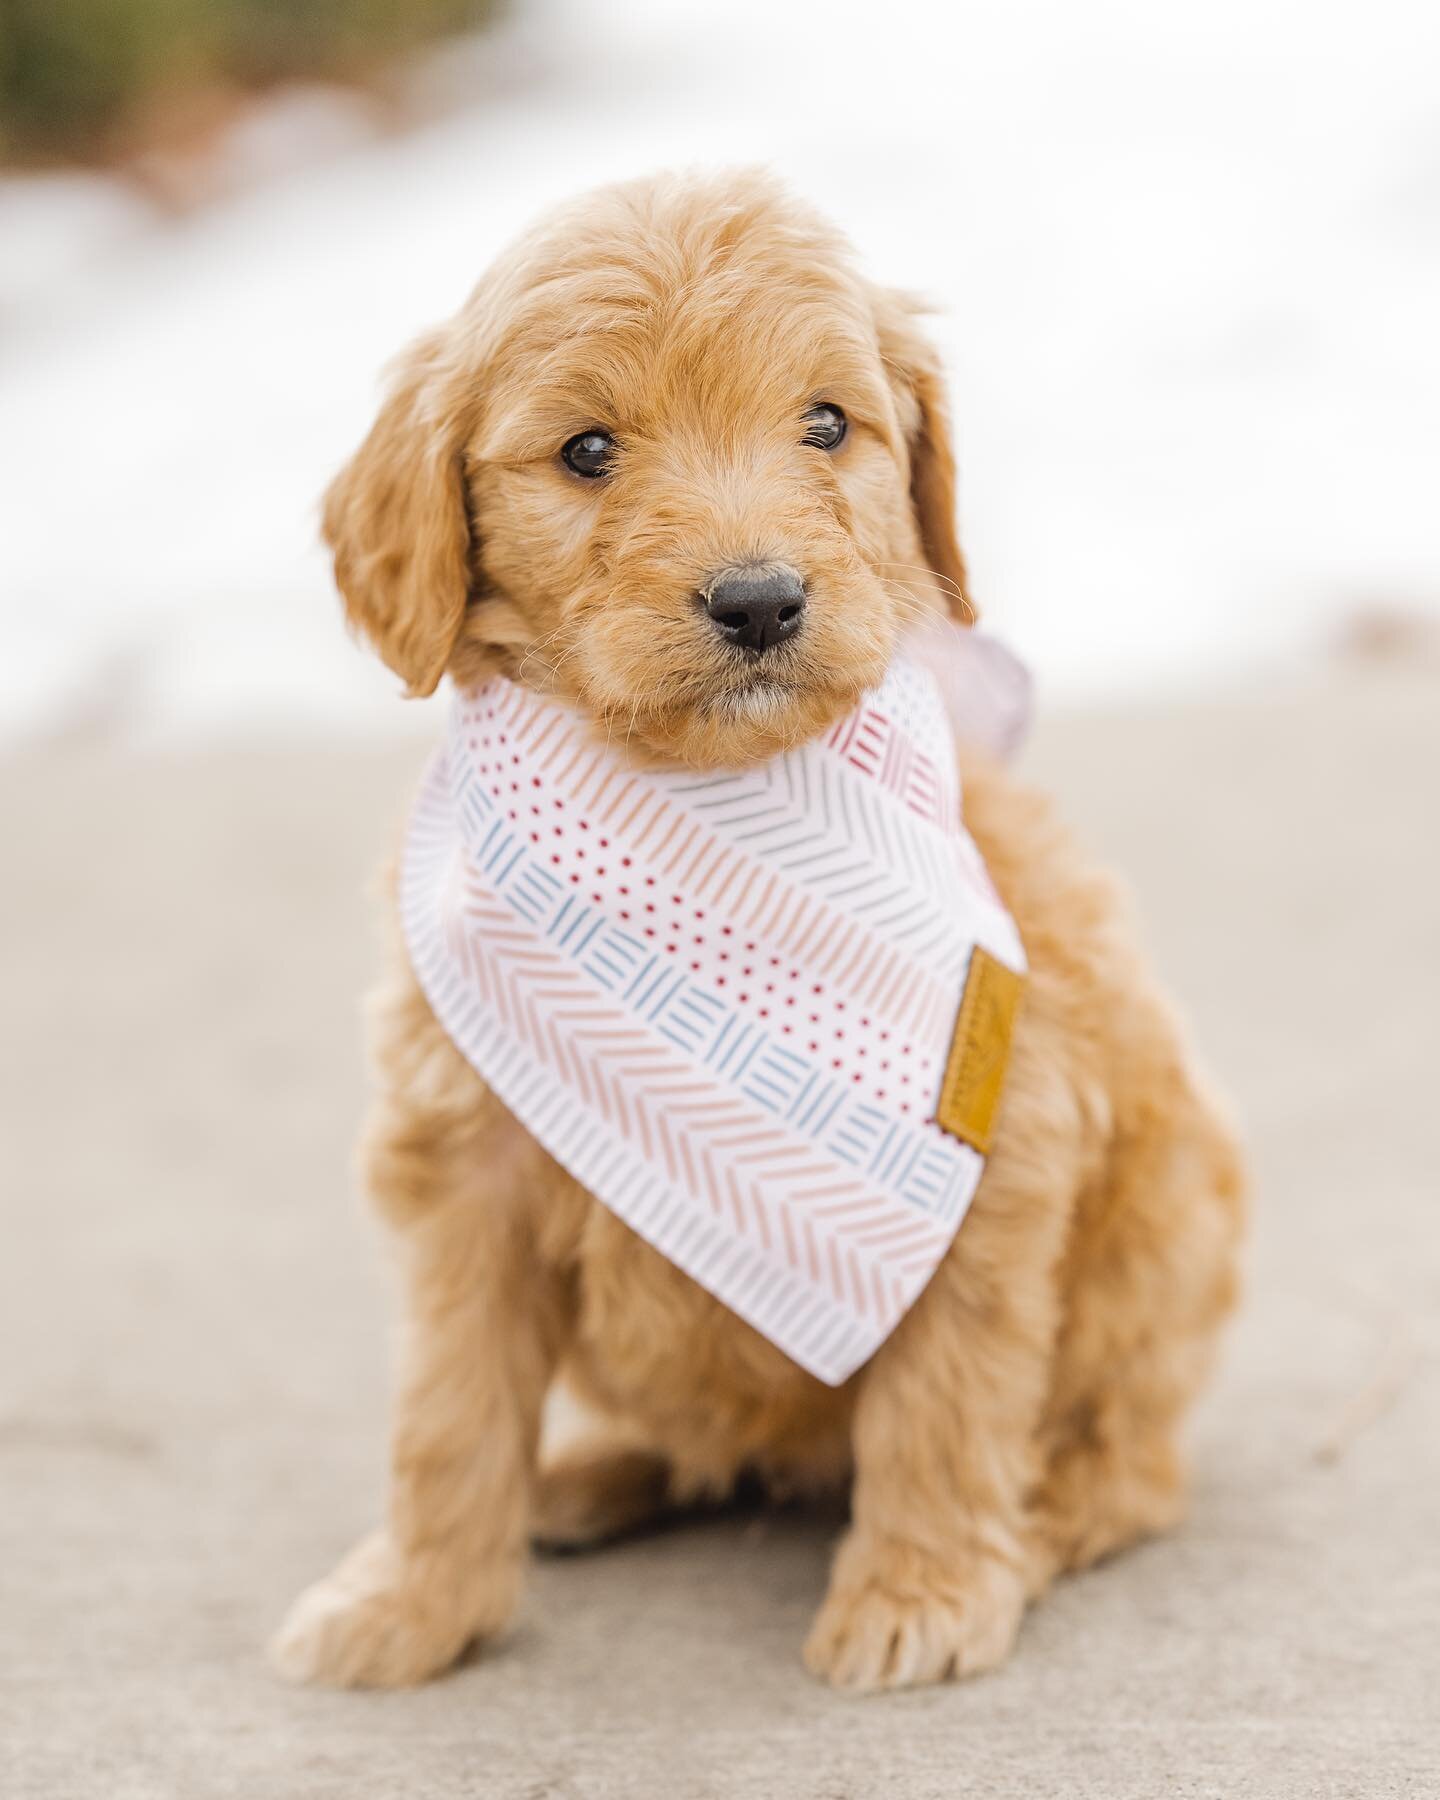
(730, 1004)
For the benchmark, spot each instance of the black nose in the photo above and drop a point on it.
(756, 607)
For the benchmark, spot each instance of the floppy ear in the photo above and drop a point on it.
(397, 521)
(915, 370)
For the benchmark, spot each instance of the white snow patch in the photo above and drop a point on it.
(1189, 266)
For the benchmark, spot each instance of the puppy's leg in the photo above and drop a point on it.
(485, 1319)
(481, 1343)
(596, 1489)
(929, 1581)
(1146, 1296)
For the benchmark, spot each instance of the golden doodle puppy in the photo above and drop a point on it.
(678, 465)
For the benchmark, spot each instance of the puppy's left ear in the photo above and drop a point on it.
(397, 520)
(916, 374)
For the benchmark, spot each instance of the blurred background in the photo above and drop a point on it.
(1186, 262)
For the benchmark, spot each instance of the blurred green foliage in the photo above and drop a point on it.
(78, 77)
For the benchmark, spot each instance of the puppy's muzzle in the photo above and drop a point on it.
(756, 606)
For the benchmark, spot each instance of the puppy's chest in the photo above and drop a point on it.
(650, 1340)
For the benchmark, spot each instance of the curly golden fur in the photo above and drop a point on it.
(1022, 1419)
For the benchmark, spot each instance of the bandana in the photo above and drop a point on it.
(761, 1015)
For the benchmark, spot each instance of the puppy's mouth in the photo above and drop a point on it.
(757, 696)
(781, 670)
(709, 703)
(740, 688)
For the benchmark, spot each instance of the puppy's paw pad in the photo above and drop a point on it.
(872, 1634)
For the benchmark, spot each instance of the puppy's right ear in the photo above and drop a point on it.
(397, 520)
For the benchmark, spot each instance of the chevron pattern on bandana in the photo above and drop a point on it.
(723, 1002)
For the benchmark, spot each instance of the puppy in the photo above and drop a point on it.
(667, 387)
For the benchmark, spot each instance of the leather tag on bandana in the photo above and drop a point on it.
(979, 1051)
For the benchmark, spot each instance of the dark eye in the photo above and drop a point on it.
(590, 454)
(824, 427)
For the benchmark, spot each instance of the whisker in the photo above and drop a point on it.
(906, 597)
(537, 648)
(945, 583)
(923, 610)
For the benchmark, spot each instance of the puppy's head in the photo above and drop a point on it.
(674, 461)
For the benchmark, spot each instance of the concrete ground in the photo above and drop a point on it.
(192, 1366)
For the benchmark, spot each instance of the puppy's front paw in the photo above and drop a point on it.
(896, 1617)
(375, 1623)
